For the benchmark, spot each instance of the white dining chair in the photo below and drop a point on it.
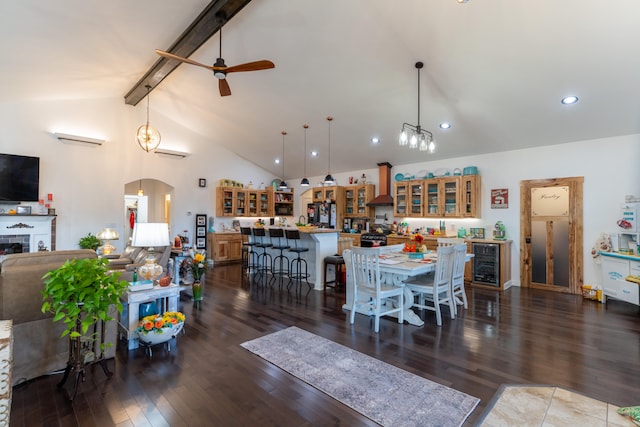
(435, 289)
(457, 276)
(368, 290)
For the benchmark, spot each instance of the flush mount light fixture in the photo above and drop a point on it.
(147, 136)
(305, 180)
(329, 179)
(283, 184)
(568, 100)
(416, 136)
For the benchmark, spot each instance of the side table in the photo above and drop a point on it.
(166, 299)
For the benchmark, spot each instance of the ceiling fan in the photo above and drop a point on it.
(220, 69)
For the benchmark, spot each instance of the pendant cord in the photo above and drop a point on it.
(329, 119)
(305, 149)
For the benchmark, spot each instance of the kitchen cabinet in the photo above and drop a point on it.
(333, 194)
(401, 191)
(225, 246)
(265, 203)
(283, 203)
(225, 197)
(615, 268)
(356, 198)
(443, 197)
(470, 196)
(355, 237)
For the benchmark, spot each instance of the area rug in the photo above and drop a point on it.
(384, 393)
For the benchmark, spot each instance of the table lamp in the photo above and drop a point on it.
(107, 234)
(150, 235)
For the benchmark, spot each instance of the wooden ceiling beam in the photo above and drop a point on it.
(199, 31)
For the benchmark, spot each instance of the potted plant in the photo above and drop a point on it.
(89, 242)
(80, 293)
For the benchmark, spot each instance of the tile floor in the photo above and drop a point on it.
(547, 406)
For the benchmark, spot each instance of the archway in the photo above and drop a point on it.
(146, 200)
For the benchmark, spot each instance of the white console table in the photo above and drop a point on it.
(167, 298)
(615, 267)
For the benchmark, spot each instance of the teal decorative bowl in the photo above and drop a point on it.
(416, 255)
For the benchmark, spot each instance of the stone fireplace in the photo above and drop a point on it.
(31, 233)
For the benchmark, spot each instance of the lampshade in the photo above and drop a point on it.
(107, 234)
(150, 234)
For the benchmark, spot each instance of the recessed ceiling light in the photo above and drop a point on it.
(375, 140)
(445, 125)
(462, 1)
(569, 100)
(277, 161)
(314, 153)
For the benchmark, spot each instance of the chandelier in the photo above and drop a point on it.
(147, 136)
(416, 136)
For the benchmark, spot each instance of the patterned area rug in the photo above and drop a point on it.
(379, 391)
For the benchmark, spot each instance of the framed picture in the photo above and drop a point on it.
(500, 198)
(202, 182)
(201, 231)
(201, 243)
(201, 220)
(52, 211)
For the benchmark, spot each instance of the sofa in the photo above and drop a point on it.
(38, 347)
(132, 258)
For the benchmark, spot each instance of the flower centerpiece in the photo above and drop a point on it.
(158, 328)
(415, 245)
(198, 265)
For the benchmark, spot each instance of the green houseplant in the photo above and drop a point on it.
(80, 293)
(89, 242)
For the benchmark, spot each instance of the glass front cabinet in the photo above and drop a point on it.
(356, 199)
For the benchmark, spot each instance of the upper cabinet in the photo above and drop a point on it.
(356, 198)
(283, 203)
(446, 197)
(327, 194)
(225, 197)
(234, 201)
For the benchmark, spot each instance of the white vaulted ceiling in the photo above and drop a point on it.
(495, 69)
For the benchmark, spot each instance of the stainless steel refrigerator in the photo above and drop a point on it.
(322, 214)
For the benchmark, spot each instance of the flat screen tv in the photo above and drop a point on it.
(19, 178)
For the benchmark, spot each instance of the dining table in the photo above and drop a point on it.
(397, 266)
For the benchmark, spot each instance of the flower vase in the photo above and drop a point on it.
(196, 288)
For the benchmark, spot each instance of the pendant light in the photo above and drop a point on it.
(140, 190)
(329, 179)
(415, 136)
(147, 136)
(283, 184)
(305, 181)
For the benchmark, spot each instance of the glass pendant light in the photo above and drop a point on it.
(305, 181)
(283, 184)
(147, 136)
(416, 136)
(329, 179)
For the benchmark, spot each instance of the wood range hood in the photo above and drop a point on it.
(384, 184)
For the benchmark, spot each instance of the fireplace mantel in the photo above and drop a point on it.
(41, 230)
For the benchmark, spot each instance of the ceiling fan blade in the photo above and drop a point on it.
(224, 88)
(179, 58)
(251, 66)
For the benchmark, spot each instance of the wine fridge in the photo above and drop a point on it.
(486, 263)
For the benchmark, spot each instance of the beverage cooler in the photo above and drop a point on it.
(486, 263)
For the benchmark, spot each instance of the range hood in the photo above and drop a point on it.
(384, 184)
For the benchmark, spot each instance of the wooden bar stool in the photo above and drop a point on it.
(249, 254)
(298, 268)
(338, 262)
(280, 266)
(264, 258)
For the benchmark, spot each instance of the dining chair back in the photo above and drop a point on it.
(368, 290)
(457, 276)
(449, 241)
(435, 289)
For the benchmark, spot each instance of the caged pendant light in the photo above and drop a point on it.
(283, 184)
(147, 136)
(305, 181)
(329, 179)
(416, 136)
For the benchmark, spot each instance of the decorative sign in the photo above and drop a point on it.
(500, 198)
(550, 201)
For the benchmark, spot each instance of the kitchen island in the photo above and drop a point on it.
(321, 242)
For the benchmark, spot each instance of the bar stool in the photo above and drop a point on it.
(264, 258)
(249, 254)
(338, 262)
(280, 261)
(296, 272)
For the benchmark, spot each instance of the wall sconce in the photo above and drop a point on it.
(79, 140)
(171, 153)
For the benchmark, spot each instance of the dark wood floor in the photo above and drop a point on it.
(518, 336)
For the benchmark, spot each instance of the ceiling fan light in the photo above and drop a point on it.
(304, 182)
(220, 74)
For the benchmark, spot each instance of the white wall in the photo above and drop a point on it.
(609, 167)
(88, 182)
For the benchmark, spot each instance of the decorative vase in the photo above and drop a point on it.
(196, 288)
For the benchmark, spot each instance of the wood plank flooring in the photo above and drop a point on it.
(520, 336)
